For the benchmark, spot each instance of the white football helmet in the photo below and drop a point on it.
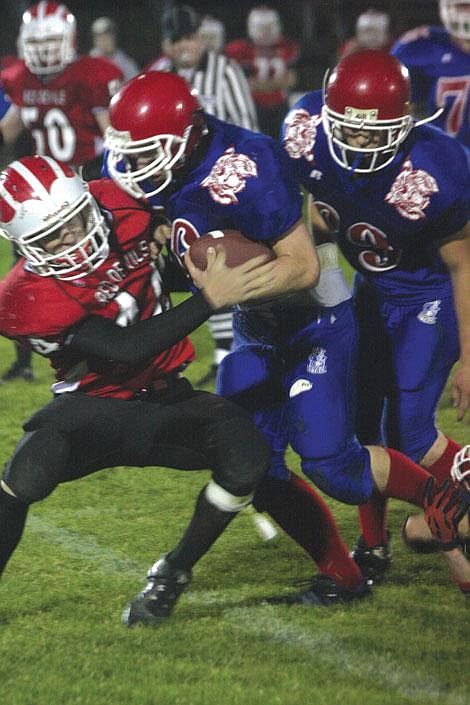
(264, 26)
(47, 37)
(460, 471)
(373, 29)
(455, 16)
(39, 197)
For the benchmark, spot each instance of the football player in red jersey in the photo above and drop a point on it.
(60, 98)
(268, 59)
(89, 296)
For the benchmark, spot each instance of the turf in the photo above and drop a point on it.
(84, 556)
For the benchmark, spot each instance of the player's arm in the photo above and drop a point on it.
(100, 337)
(455, 252)
(11, 126)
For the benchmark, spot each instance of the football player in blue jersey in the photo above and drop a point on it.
(438, 59)
(395, 194)
(287, 366)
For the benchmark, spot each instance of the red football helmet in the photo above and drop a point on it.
(368, 91)
(47, 37)
(38, 198)
(156, 121)
(455, 15)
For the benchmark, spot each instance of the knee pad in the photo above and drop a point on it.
(345, 476)
(245, 458)
(37, 465)
(248, 375)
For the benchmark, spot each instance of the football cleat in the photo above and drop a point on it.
(373, 561)
(323, 592)
(156, 602)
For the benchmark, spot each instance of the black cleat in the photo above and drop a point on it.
(208, 378)
(323, 592)
(373, 561)
(17, 371)
(156, 602)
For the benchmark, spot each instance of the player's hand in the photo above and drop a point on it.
(160, 237)
(460, 390)
(444, 508)
(225, 286)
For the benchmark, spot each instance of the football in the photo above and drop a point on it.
(238, 248)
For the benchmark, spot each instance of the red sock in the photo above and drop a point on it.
(441, 468)
(406, 480)
(373, 520)
(303, 514)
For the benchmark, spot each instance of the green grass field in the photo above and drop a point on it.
(85, 553)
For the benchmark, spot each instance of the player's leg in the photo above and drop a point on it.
(374, 372)
(220, 327)
(251, 375)
(31, 474)
(423, 345)
(196, 430)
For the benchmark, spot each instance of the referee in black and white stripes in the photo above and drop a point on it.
(223, 91)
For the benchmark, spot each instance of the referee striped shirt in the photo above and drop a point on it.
(222, 87)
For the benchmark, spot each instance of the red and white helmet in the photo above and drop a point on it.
(368, 90)
(460, 471)
(38, 197)
(47, 38)
(155, 114)
(264, 26)
(455, 16)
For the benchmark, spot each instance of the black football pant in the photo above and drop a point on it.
(75, 435)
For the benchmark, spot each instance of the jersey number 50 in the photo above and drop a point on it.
(56, 137)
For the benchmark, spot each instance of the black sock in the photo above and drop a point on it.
(206, 525)
(23, 356)
(12, 520)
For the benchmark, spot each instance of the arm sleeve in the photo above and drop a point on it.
(100, 337)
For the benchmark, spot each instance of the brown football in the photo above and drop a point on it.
(238, 248)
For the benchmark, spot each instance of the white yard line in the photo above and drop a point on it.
(262, 622)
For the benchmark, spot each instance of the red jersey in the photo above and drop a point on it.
(127, 288)
(265, 63)
(59, 110)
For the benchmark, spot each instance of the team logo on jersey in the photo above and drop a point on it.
(228, 176)
(411, 190)
(316, 363)
(428, 313)
(300, 134)
(300, 386)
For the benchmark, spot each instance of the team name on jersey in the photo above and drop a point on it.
(109, 288)
(44, 96)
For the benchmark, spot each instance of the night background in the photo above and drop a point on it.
(319, 25)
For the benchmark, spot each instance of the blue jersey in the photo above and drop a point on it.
(4, 103)
(389, 224)
(440, 76)
(242, 182)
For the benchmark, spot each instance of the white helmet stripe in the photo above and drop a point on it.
(42, 10)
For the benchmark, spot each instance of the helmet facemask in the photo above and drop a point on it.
(385, 138)
(80, 258)
(152, 160)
